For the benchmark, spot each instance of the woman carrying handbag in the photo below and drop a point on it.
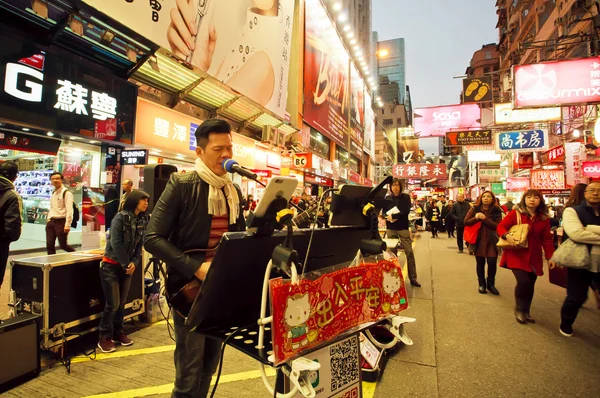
(582, 225)
(523, 255)
(488, 215)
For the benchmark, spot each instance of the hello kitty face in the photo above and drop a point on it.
(297, 310)
(391, 282)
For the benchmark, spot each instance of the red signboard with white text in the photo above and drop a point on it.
(547, 179)
(557, 83)
(435, 122)
(591, 169)
(419, 171)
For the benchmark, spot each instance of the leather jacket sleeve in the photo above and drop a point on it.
(12, 217)
(162, 223)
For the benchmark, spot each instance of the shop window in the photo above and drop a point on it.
(319, 144)
(354, 164)
(341, 156)
(388, 122)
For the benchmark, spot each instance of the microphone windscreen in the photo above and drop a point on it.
(228, 165)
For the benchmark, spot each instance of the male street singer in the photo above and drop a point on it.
(193, 212)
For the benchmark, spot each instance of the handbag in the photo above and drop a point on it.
(471, 232)
(519, 233)
(571, 254)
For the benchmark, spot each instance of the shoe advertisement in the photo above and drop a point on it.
(477, 90)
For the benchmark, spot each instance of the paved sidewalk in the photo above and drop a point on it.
(469, 344)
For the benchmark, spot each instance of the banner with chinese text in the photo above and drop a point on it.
(419, 171)
(326, 97)
(312, 313)
(522, 141)
(475, 137)
(547, 179)
(245, 46)
(574, 156)
(491, 174)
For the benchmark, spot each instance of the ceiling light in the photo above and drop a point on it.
(337, 6)
(349, 35)
(50, 134)
(378, 99)
(154, 153)
(367, 73)
(156, 150)
(342, 18)
(24, 129)
(94, 142)
(363, 63)
(346, 28)
(74, 138)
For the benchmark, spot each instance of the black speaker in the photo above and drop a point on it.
(156, 177)
(19, 350)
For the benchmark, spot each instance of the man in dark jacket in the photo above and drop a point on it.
(458, 213)
(397, 225)
(10, 212)
(192, 213)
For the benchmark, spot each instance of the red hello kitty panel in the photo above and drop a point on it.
(311, 313)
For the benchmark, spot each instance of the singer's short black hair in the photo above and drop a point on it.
(211, 126)
(396, 181)
(9, 170)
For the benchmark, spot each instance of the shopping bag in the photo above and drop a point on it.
(471, 233)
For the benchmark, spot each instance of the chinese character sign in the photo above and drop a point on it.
(574, 156)
(310, 313)
(419, 171)
(435, 122)
(518, 184)
(547, 179)
(489, 174)
(475, 137)
(563, 82)
(522, 141)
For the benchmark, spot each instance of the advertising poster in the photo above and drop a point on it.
(574, 155)
(244, 43)
(408, 150)
(435, 122)
(326, 99)
(557, 83)
(547, 179)
(369, 138)
(477, 89)
(357, 111)
(505, 114)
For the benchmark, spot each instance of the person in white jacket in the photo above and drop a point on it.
(582, 225)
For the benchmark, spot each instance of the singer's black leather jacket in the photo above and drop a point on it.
(180, 222)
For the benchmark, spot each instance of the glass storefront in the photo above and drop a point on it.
(319, 144)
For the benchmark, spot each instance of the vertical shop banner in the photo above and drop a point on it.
(557, 83)
(369, 139)
(326, 97)
(574, 156)
(547, 179)
(357, 111)
(240, 42)
(435, 122)
(477, 90)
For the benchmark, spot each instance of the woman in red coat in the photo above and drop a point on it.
(526, 264)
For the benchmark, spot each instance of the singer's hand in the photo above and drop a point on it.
(202, 270)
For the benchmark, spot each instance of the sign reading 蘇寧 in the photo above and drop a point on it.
(522, 141)
(474, 137)
(419, 171)
(132, 157)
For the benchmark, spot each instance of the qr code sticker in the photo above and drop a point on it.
(345, 365)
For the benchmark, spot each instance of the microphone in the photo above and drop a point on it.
(234, 167)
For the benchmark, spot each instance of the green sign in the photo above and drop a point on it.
(498, 188)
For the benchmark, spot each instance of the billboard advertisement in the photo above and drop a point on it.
(463, 138)
(557, 83)
(326, 97)
(547, 179)
(243, 43)
(357, 110)
(478, 89)
(369, 137)
(505, 114)
(435, 122)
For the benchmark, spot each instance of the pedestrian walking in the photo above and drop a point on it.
(487, 213)
(122, 256)
(508, 206)
(397, 225)
(434, 216)
(582, 225)
(127, 188)
(10, 212)
(60, 215)
(458, 213)
(449, 221)
(526, 263)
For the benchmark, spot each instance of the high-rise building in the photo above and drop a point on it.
(391, 70)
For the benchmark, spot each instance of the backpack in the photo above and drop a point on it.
(75, 211)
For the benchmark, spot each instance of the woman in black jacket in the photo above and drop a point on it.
(433, 216)
(450, 224)
(122, 256)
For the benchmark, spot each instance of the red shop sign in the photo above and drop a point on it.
(557, 83)
(525, 160)
(287, 162)
(556, 154)
(547, 179)
(310, 313)
(302, 160)
(355, 177)
(423, 171)
(263, 173)
(367, 182)
(517, 184)
(315, 179)
(591, 169)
